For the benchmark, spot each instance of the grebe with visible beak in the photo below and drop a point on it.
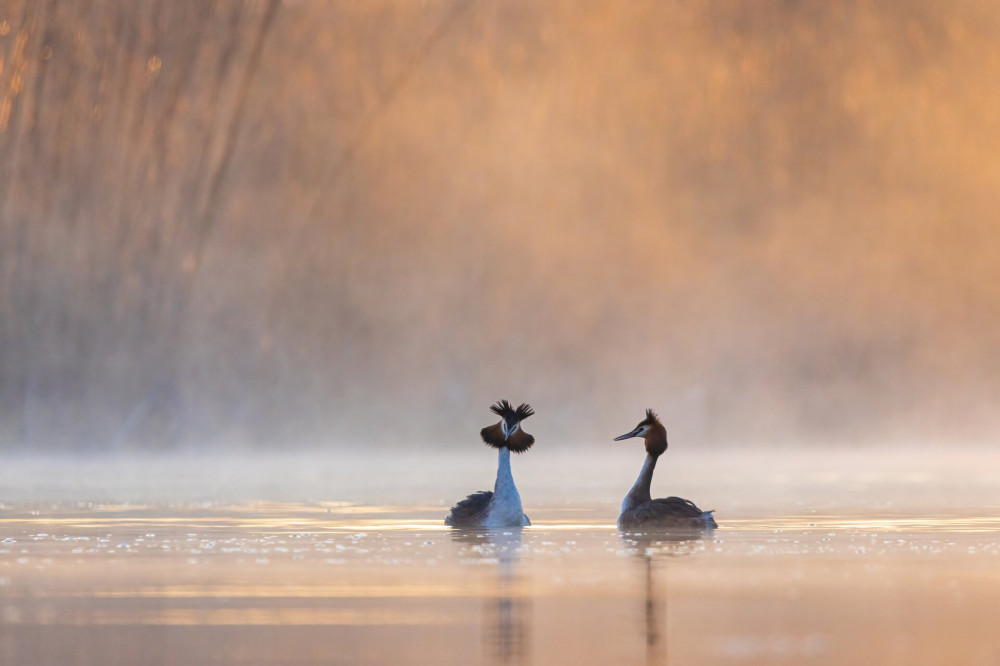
(638, 509)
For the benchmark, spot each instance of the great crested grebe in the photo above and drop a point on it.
(638, 510)
(502, 507)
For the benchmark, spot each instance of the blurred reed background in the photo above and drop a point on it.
(326, 224)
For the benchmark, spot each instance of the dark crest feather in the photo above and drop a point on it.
(520, 441)
(501, 408)
(505, 409)
(493, 436)
(650, 419)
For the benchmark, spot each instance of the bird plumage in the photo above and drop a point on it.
(471, 511)
(517, 440)
(639, 510)
(502, 506)
(667, 512)
(504, 408)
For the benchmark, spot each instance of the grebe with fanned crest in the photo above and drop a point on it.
(502, 507)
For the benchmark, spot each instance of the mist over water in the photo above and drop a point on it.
(288, 224)
(265, 265)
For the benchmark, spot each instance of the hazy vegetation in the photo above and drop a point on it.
(286, 223)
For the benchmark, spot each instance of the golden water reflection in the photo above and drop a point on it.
(354, 584)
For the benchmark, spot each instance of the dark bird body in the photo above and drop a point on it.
(472, 511)
(639, 510)
(502, 506)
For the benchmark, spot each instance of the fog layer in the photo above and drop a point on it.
(291, 223)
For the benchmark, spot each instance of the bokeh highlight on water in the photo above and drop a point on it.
(827, 567)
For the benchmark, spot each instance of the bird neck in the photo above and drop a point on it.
(505, 509)
(505, 480)
(639, 494)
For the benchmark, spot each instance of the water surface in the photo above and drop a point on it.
(352, 583)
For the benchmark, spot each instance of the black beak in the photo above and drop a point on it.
(627, 435)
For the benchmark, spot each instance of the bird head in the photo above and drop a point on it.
(652, 431)
(508, 431)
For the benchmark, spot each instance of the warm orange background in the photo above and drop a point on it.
(293, 223)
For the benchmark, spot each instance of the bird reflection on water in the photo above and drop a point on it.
(653, 549)
(505, 613)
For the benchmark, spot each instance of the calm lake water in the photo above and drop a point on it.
(801, 579)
